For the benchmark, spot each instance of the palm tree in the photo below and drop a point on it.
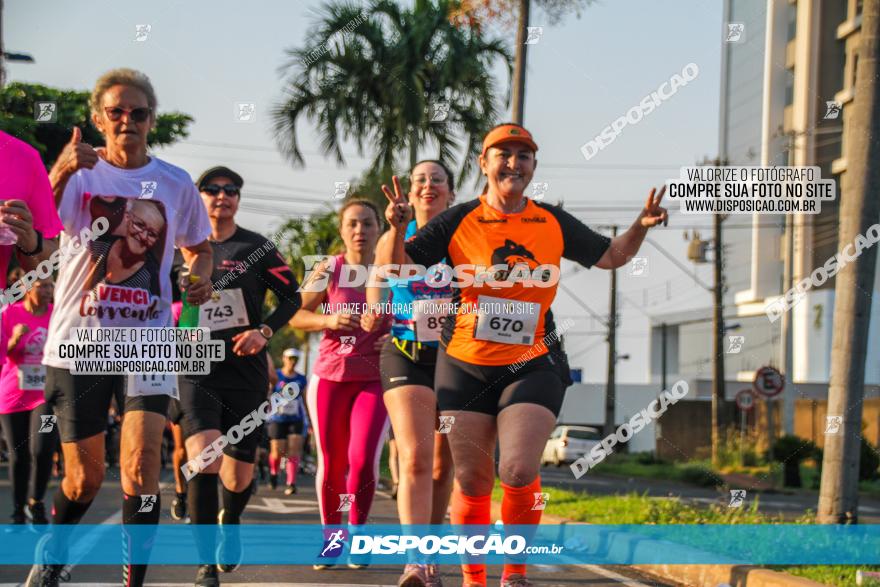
(510, 14)
(378, 76)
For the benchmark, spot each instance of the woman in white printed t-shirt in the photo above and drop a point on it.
(138, 208)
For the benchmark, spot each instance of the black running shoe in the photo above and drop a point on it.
(18, 516)
(229, 549)
(207, 576)
(290, 490)
(178, 507)
(37, 513)
(46, 576)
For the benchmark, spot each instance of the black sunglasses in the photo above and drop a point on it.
(213, 189)
(136, 114)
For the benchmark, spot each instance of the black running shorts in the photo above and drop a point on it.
(400, 363)
(281, 430)
(81, 402)
(467, 387)
(207, 408)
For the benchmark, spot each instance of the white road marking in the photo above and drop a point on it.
(612, 575)
(276, 505)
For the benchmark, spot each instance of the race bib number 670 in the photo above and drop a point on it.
(506, 321)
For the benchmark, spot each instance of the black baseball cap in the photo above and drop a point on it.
(219, 171)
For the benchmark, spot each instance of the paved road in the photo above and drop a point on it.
(274, 507)
(789, 505)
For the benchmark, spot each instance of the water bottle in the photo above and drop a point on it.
(189, 314)
(7, 236)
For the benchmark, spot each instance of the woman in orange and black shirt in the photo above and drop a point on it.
(494, 372)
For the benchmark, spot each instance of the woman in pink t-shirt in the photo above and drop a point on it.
(26, 418)
(344, 395)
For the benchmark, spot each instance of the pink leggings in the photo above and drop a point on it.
(349, 421)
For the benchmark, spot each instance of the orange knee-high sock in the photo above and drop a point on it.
(518, 508)
(471, 510)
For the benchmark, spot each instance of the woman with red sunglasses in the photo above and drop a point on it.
(161, 210)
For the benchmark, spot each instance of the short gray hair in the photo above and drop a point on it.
(122, 77)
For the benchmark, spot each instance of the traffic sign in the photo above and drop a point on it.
(769, 382)
(745, 399)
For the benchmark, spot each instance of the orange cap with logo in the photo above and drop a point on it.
(508, 133)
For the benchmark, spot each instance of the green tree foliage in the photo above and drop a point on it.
(301, 238)
(18, 101)
(375, 76)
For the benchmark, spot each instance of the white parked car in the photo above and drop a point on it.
(569, 443)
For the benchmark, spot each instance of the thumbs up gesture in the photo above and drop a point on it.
(76, 154)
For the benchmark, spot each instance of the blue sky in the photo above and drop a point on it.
(204, 57)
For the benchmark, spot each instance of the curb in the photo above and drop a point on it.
(698, 575)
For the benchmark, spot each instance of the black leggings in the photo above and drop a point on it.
(28, 446)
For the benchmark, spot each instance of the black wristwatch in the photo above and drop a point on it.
(37, 249)
(266, 331)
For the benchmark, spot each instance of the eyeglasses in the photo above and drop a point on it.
(434, 179)
(136, 114)
(213, 190)
(141, 227)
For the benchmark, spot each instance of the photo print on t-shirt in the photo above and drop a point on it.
(125, 261)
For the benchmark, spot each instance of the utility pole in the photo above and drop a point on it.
(788, 394)
(859, 210)
(663, 334)
(718, 346)
(610, 394)
(520, 60)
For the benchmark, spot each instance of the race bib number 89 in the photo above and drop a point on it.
(428, 318)
(506, 321)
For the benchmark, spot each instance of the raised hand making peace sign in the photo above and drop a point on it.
(399, 212)
(653, 213)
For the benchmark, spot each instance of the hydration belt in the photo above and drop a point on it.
(416, 351)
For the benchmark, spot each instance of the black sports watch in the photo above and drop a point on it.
(37, 249)
(266, 331)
